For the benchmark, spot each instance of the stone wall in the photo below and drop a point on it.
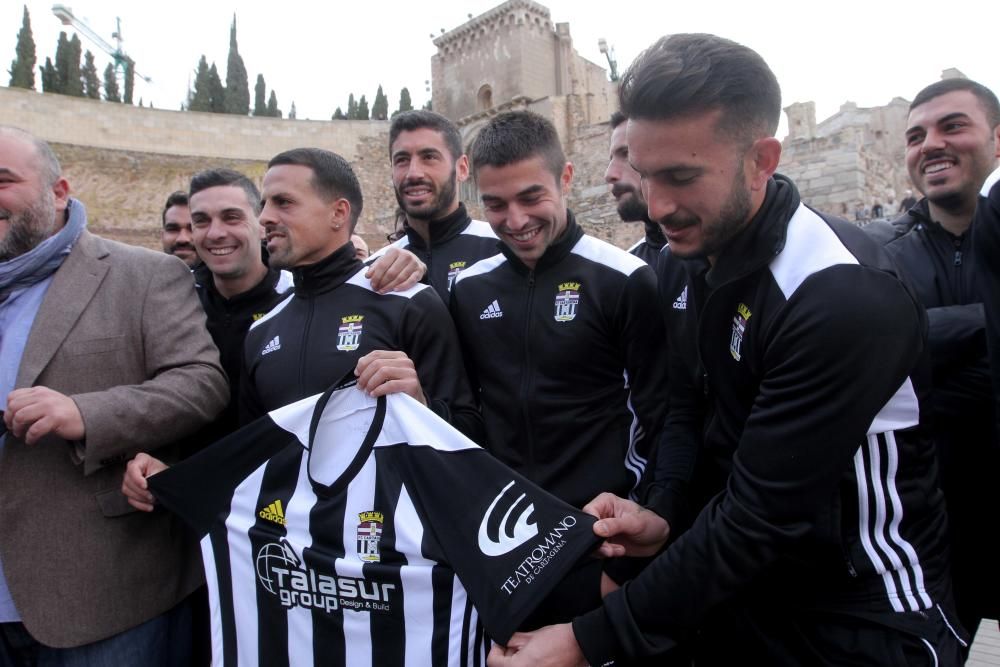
(86, 122)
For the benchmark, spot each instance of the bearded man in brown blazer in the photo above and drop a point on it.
(103, 353)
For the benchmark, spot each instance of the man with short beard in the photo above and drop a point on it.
(626, 189)
(952, 145)
(425, 150)
(176, 235)
(793, 363)
(103, 353)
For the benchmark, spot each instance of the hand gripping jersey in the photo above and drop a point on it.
(345, 530)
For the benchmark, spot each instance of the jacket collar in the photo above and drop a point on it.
(441, 230)
(554, 254)
(654, 235)
(328, 273)
(760, 240)
(203, 278)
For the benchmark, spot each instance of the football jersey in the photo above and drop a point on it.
(347, 530)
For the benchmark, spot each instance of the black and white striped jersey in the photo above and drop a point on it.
(347, 530)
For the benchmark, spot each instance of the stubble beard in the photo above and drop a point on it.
(29, 228)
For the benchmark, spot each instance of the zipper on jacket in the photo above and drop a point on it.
(527, 373)
(304, 345)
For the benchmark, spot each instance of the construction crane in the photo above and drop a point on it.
(122, 60)
(609, 53)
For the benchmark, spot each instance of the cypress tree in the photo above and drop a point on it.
(129, 81)
(91, 82)
(363, 109)
(111, 93)
(61, 63)
(260, 97)
(272, 106)
(216, 92)
(50, 78)
(22, 68)
(338, 115)
(380, 107)
(352, 108)
(405, 104)
(74, 70)
(201, 96)
(237, 96)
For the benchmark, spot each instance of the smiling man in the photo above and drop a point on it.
(236, 288)
(952, 145)
(425, 150)
(561, 334)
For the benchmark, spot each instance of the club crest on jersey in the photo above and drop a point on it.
(567, 300)
(739, 328)
(349, 333)
(369, 532)
(453, 270)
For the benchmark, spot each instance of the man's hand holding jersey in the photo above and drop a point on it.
(134, 486)
(628, 529)
(385, 372)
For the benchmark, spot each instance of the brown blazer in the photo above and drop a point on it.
(121, 331)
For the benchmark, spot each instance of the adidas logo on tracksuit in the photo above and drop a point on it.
(492, 311)
(681, 302)
(272, 346)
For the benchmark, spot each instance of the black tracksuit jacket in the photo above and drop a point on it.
(314, 338)
(569, 362)
(457, 242)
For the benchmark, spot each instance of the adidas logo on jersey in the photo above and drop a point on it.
(681, 302)
(273, 346)
(492, 311)
(273, 513)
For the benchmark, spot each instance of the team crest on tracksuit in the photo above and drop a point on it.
(453, 270)
(739, 328)
(369, 532)
(567, 300)
(349, 333)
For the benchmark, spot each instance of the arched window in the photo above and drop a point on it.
(485, 97)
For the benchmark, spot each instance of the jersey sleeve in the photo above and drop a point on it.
(199, 490)
(508, 541)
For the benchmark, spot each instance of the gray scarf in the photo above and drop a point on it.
(42, 261)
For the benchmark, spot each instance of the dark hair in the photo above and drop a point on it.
(617, 118)
(332, 178)
(409, 121)
(179, 198)
(686, 74)
(985, 96)
(516, 136)
(211, 178)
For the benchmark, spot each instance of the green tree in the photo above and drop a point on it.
(352, 108)
(363, 113)
(216, 91)
(338, 115)
(50, 79)
(237, 95)
(272, 106)
(111, 93)
(22, 68)
(380, 107)
(91, 82)
(201, 95)
(129, 81)
(427, 106)
(260, 97)
(68, 54)
(405, 104)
